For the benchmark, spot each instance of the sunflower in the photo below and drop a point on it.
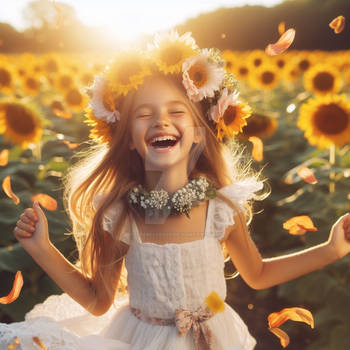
(170, 51)
(101, 131)
(256, 59)
(264, 77)
(323, 79)
(51, 63)
(304, 60)
(31, 85)
(242, 71)
(75, 100)
(259, 125)
(128, 71)
(291, 72)
(86, 78)
(6, 80)
(233, 120)
(230, 60)
(20, 123)
(326, 120)
(63, 81)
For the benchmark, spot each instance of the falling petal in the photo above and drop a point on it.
(214, 302)
(71, 145)
(281, 28)
(4, 157)
(258, 148)
(307, 175)
(6, 186)
(45, 201)
(16, 289)
(37, 341)
(282, 44)
(62, 114)
(338, 24)
(299, 314)
(14, 345)
(298, 225)
(283, 336)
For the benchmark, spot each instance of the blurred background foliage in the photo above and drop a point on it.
(50, 88)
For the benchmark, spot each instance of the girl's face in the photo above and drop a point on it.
(160, 108)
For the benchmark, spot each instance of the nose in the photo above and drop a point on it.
(161, 117)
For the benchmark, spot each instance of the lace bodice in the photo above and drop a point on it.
(162, 278)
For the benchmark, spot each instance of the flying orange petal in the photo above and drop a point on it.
(258, 148)
(14, 345)
(4, 157)
(283, 336)
(37, 341)
(282, 44)
(281, 28)
(45, 201)
(6, 186)
(62, 114)
(298, 225)
(298, 314)
(338, 24)
(16, 289)
(307, 175)
(71, 145)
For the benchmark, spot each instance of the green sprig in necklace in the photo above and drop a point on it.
(159, 203)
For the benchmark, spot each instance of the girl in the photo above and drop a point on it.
(164, 194)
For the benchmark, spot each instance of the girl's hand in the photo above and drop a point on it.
(31, 230)
(339, 238)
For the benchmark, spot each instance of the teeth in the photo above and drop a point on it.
(163, 138)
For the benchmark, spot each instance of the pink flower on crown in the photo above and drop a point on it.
(200, 77)
(225, 100)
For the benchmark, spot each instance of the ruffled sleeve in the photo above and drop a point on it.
(239, 192)
(111, 217)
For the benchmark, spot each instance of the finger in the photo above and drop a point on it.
(25, 227)
(26, 219)
(31, 214)
(19, 233)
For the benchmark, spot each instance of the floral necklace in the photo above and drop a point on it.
(159, 203)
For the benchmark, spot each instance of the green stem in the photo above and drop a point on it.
(332, 172)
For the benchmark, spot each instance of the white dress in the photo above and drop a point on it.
(161, 279)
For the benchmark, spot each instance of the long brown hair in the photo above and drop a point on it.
(114, 169)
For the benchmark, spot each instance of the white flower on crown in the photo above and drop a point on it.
(217, 111)
(97, 105)
(201, 77)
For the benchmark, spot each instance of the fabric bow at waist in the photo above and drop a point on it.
(185, 320)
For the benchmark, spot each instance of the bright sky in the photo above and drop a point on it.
(128, 19)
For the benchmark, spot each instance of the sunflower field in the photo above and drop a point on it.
(299, 132)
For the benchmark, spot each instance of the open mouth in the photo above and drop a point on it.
(164, 144)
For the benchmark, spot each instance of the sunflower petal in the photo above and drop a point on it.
(6, 186)
(338, 24)
(281, 28)
(282, 44)
(71, 145)
(4, 157)
(307, 175)
(298, 314)
(37, 341)
(214, 302)
(45, 201)
(16, 289)
(298, 225)
(62, 114)
(14, 345)
(283, 336)
(258, 148)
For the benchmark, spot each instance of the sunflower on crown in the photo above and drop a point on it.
(202, 72)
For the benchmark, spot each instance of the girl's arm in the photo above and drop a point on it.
(264, 273)
(32, 233)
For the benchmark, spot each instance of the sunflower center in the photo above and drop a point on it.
(323, 81)
(280, 63)
(230, 114)
(65, 81)
(32, 83)
(331, 119)
(171, 55)
(19, 120)
(5, 77)
(267, 77)
(256, 124)
(304, 64)
(243, 71)
(257, 62)
(229, 65)
(198, 75)
(128, 70)
(51, 66)
(74, 97)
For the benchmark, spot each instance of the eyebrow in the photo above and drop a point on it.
(151, 105)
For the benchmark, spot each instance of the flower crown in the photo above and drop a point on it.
(202, 72)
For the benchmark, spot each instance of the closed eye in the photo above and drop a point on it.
(177, 112)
